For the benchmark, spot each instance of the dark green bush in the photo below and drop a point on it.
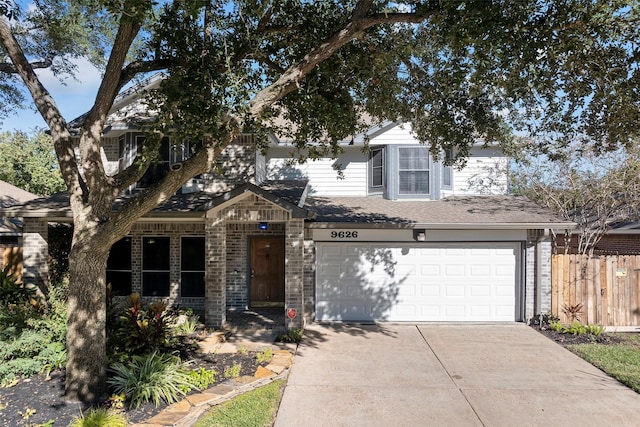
(32, 336)
(12, 292)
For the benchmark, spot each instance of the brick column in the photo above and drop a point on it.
(538, 277)
(545, 276)
(35, 253)
(309, 279)
(215, 304)
(294, 271)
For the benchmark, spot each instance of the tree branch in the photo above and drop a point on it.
(90, 137)
(358, 23)
(9, 68)
(45, 104)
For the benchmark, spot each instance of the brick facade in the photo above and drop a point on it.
(609, 244)
(35, 252)
(229, 230)
(175, 231)
(238, 241)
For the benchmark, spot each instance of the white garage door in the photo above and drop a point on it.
(409, 282)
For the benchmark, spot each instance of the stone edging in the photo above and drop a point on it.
(186, 412)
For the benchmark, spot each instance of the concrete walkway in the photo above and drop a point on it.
(447, 375)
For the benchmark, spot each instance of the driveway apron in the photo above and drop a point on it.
(447, 375)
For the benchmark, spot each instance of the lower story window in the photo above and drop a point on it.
(119, 267)
(192, 262)
(156, 277)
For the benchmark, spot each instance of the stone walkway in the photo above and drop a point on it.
(186, 412)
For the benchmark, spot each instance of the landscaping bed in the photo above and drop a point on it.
(616, 354)
(36, 401)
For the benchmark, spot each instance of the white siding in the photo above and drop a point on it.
(400, 135)
(322, 174)
(485, 173)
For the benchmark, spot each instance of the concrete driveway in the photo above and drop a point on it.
(447, 375)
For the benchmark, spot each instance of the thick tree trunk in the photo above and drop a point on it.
(86, 378)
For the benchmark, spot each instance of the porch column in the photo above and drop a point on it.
(294, 271)
(35, 253)
(215, 301)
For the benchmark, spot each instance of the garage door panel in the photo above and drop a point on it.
(480, 290)
(419, 282)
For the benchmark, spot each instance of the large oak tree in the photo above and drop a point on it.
(459, 71)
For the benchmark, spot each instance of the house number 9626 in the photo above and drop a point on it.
(344, 234)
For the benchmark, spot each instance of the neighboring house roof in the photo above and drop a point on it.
(457, 212)
(12, 195)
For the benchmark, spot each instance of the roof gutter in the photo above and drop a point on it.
(445, 226)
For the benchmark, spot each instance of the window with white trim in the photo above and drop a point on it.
(413, 171)
(376, 167)
(192, 264)
(447, 171)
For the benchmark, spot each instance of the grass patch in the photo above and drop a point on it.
(619, 360)
(256, 408)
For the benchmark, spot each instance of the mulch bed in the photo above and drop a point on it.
(35, 401)
(566, 339)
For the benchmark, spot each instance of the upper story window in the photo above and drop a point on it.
(413, 171)
(446, 180)
(169, 153)
(376, 166)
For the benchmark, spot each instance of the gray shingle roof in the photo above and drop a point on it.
(12, 195)
(453, 212)
(472, 211)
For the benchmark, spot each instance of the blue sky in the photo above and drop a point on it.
(73, 98)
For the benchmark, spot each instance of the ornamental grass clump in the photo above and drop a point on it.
(151, 378)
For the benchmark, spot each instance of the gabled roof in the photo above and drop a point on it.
(283, 194)
(459, 212)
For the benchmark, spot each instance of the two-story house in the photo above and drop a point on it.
(384, 234)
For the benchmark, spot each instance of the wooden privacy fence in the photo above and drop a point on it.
(606, 286)
(12, 256)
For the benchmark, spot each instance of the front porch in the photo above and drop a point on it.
(256, 321)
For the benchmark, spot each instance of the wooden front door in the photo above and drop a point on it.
(267, 272)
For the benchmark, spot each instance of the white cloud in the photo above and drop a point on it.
(86, 82)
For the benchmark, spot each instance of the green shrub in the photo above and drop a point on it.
(186, 324)
(291, 336)
(596, 330)
(233, 371)
(576, 328)
(264, 356)
(555, 326)
(152, 377)
(22, 366)
(202, 378)
(99, 417)
(12, 292)
(32, 338)
(53, 357)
